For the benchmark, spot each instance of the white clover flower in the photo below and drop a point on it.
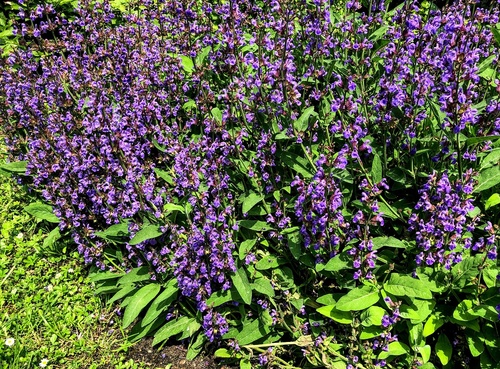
(71, 270)
(20, 235)
(44, 363)
(49, 288)
(10, 341)
(58, 275)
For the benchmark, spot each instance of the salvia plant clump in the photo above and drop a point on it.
(300, 183)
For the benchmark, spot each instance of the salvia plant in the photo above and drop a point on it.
(299, 183)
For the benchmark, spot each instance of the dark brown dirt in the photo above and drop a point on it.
(143, 351)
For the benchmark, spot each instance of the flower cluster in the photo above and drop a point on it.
(173, 113)
(441, 221)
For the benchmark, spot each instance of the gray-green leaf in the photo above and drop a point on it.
(138, 302)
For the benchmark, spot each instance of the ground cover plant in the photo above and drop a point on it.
(296, 183)
(49, 314)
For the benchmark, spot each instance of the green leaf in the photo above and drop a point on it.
(466, 270)
(123, 292)
(476, 346)
(115, 231)
(297, 163)
(196, 346)
(486, 312)
(187, 64)
(394, 349)
(403, 285)
(138, 302)
(15, 167)
(172, 328)
(250, 201)
(221, 297)
(475, 140)
(99, 275)
(240, 282)
(488, 178)
(263, 286)
(193, 327)
(302, 123)
(358, 298)
(492, 201)
(162, 302)
(338, 262)
(464, 311)
(148, 232)
(342, 317)
(41, 211)
(223, 353)
(200, 58)
(51, 238)
(295, 244)
(425, 352)
(376, 172)
(164, 175)
(135, 275)
(379, 242)
(490, 276)
(372, 316)
(486, 63)
(190, 104)
(252, 332)
(423, 309)
(443, 349)
(415, 334)
(174, 207)
(427, 365)
(245, 364)
(493, 158)
(217, 114)
(371, 332)
(269, 262)
(496, 34)
(245, 248)
(255, 225)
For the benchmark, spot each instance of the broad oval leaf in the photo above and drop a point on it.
(138, 302)
(492, 201)
(403, 285)
(302, 122)
(148, 232)
(358, 298)
(114, 231)
(425, 351)
(372, 316)
(240, 282)
(123, 292)
(255, 225)
(476, 346)
(444, 349)
(172, 328)
(250, 201)
(376, 172)
(488, 178)
(342, 317)
(15, 167)
(135, 275)
(263, 286)
(252, 332)
(379, 242)
(162, 302)
(42, 211)
(394, 349)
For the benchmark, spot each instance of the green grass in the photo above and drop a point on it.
(47, 305)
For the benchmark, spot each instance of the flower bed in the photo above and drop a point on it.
(301, 183)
